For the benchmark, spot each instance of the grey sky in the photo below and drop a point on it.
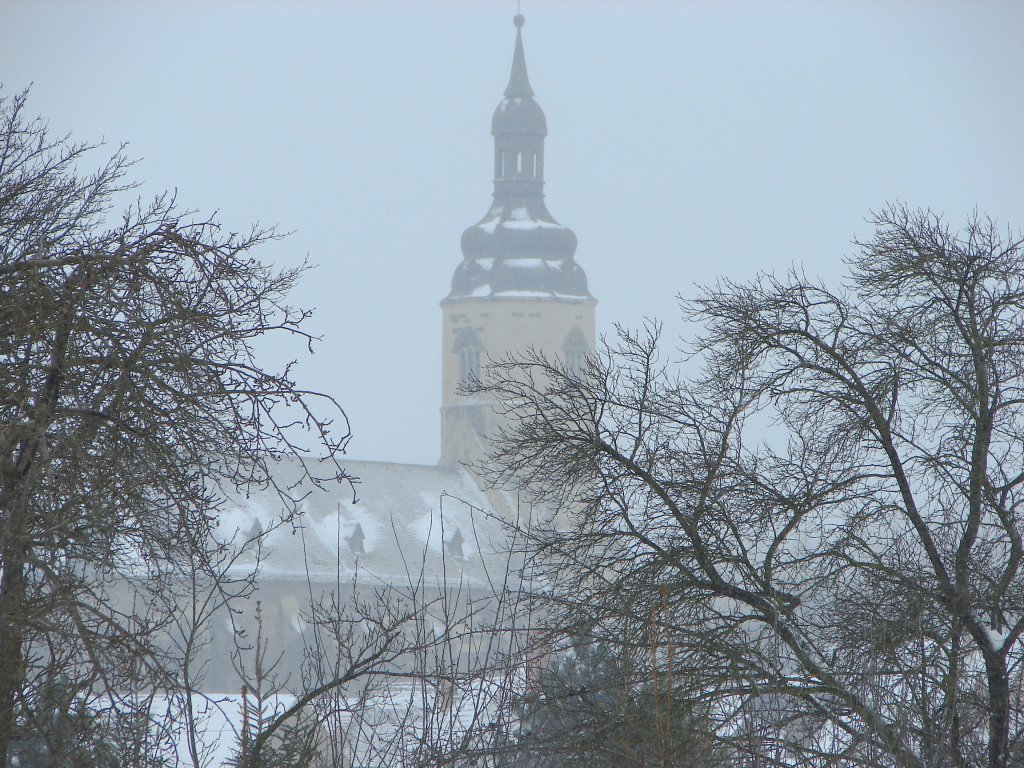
(687, 140)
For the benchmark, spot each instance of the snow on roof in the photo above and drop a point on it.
(400, 521)
(489, 225)
(492, 224)
(529, 224)
(525, 262)
(485, 290)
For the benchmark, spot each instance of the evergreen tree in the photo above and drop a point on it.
(596, 707)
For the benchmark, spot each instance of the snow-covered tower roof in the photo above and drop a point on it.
(518, 249)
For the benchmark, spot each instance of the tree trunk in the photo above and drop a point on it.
(16, 537)
(998, 710)
(13, 590)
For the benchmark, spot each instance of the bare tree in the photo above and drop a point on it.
(133, 413)
(419, 673)
(130, 400)
(823, 522)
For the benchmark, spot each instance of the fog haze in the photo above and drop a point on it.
(686, 141)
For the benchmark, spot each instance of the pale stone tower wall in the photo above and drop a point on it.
(518, 285)
(503, 326)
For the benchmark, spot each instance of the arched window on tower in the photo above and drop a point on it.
(574, 350)
(468, 347)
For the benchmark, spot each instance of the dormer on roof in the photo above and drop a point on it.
(453, 545)
(356, 540)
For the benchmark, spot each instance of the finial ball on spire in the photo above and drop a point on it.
(518, 20)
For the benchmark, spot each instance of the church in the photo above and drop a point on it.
(415, 527)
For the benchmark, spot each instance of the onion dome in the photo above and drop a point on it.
(518, 249)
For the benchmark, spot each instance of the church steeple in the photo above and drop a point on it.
(518, 286)
(501, 251)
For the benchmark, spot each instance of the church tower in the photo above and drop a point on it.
(518, 285)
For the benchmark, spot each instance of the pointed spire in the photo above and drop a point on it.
(518, 82)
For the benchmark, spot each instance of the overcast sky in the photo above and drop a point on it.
(687, 140)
